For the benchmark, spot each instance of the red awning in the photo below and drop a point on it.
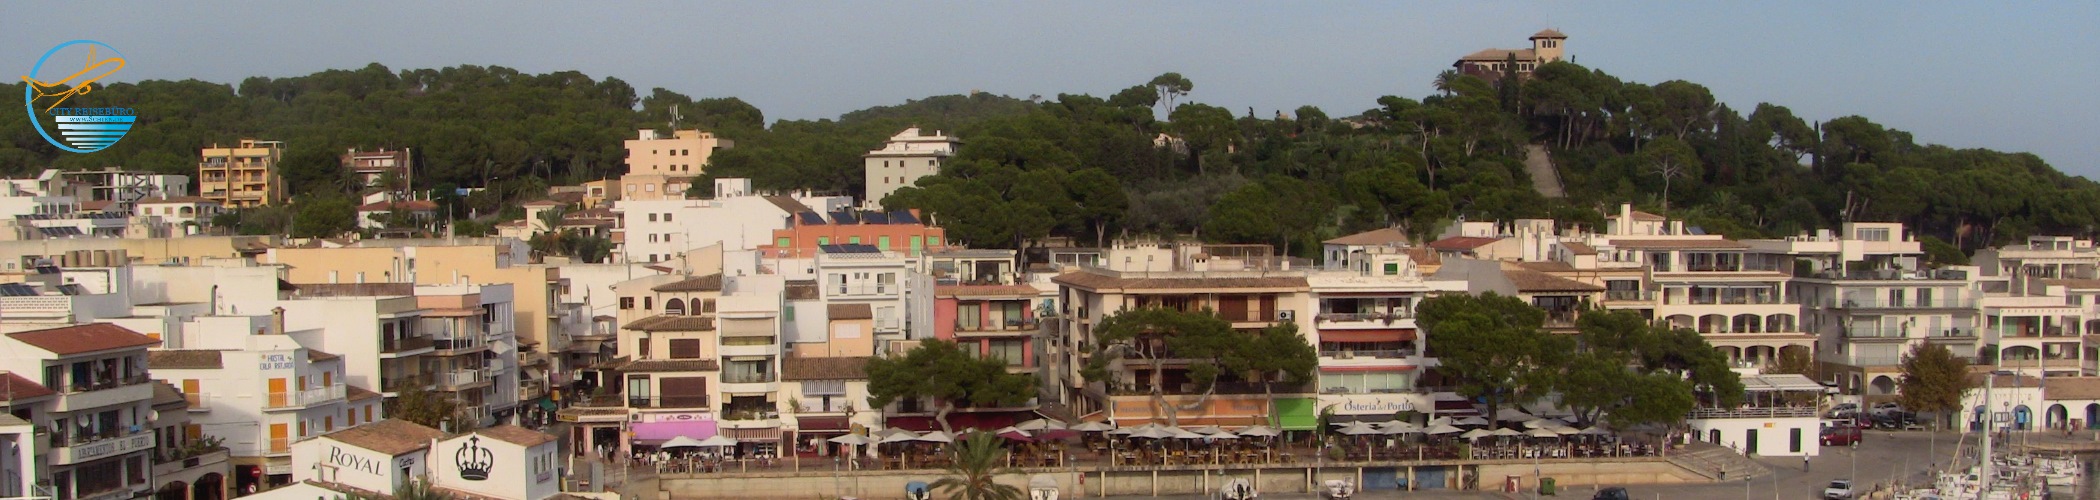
(1359, 369)
(1382, 335)
(822, 424)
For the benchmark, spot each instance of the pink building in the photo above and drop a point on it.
(989, 320)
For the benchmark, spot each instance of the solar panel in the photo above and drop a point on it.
(811, 218)
(849, 248)
(903, 217)
(1696, 230)
(875, 217)
(844, 217)
(16, 290)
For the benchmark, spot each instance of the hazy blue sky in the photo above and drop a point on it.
(2017, 76)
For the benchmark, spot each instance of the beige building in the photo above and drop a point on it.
(660, 167)
(907, 157)
(242, 176)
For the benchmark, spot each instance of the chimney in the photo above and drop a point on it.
(277, 320)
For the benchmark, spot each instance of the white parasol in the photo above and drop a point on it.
(937, 437)
(1507, 432)
(718, 441)
(899, 437)
(681, 442)
(1357, 429)
(1208, 429)
(1476, 434)
(1039, 424)
(1443, 429)
(1258, 431)
(1094, 427)
(851, 439)
(1473, 421)
(1541, 433)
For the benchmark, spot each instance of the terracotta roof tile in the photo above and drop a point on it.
(824, 368)
(1534, 281)
(1384, 236)
(1098, 281)
(788, 204)
(708, 283)
(184, 359)
(313, 355)
(670, 365)
(1548, 33)
(356, 393)
(166, 394)
(2081, 284)
(1499, 55)
(392, 436)
(86, 338)
(849, 311)
(15, 388)
(515, 435)
(1458, 243)
(2068, 388)
(1677, 243)
(672, 324)
(1551, 266)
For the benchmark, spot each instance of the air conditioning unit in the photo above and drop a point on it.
(1286, 315)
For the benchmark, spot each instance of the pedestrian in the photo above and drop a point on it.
(1804, 463)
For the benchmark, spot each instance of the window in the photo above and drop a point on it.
(652, 218)
(368, 413)
(674, 307)
(883, 282)
(787, 312)
(652, 236)
(882, 242)
(1392, 269)
(838, 281)
(853, 240)
(685, 348)
(667, 217)
(648, 303)
(823, 240)
(626, 302)
(783, 242)
(1794, 440)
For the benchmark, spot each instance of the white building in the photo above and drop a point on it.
(737, 218)
(901, 162)
(374, 457)
(101, 443)
(179, 210)
(506, 462)
(1371, 353)
(264, 392)
(1767, 423)
(863, 276)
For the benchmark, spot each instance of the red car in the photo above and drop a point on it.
(1841, 435)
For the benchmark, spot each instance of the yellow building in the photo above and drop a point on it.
(242, 176)
(660, 167)
(437, 262)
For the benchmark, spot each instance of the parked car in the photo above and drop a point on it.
(1843, 411)
(1886, 408)
(1841, 435)
(1612, 493)
(1895, 419)
(1838, 490)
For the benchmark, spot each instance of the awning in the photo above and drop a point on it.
(766, 434)
(650, 433)
(1296, 414)
(1381, 335)
(822, 424)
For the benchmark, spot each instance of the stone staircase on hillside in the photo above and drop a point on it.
(1544, 178)
(1711, 460)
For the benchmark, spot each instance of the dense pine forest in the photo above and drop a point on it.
(1150, 159)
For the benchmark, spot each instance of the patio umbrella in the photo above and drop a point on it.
(1184, 434)
(886, 433)
(1014, 434)
(1476, 434)
(1039, 424)
(852, 439)
(1094, 427)
(899, 437)
(1564, 431)
(1442, 429)
(1541, 433)
(1223, 435)
(1152, 433)
(1389, 424)
(1258, 431)
(718, 441)
(1570, 419)
(1439, 421)
(1507, 433)
(1540, 423)
(1357, 429)
(1596, 430)
(681, 442)
(937, 437)
(1208, 429)
(1473, 421)
(1056, 434)
(1512, 415)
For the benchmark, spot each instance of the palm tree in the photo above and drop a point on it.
(975, 460)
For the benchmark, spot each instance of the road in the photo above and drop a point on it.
(1882, 456)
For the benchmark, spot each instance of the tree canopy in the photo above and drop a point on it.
(1933, 381)
(1494, 347)
(942, 371)
(1210, 346)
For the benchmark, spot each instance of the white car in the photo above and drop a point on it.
(1838, 490)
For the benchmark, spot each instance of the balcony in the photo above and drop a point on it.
(1752, 412)
(105, 393)
(1629, 296)
(749, 383)
(993, 328)
(305, 398)
(405, 382)
(699, 402)
(406, 346)
(93, 447)
(462, 379)
(456, 346)
(188, 469)
(1940, 303)
(749, 350)
(280, 446)
(1397, 318)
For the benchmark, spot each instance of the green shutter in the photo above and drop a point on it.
(1392, 268)
(917, 244)
(884, 242)
(823, 240)
(783, 242)
(853, 239)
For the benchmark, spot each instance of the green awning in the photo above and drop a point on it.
(1297, 414)
(547, 404)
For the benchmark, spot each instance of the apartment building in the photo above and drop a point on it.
(262, 393)
(504, 462)
(1371, 353)
(897, 231)
(737, 218)
(184, 464)
(1869, 298)
(664, 167)
(2036, 301)
(992, 321)
(244, 175)
(884, 285)
(907, 157)
(192, 213)
(372, 168)
(100, 441)
(474, 348)
(376, 327)
(1244, 284)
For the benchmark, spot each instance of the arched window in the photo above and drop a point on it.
(674, 307)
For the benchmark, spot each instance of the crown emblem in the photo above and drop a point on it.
(473, 460)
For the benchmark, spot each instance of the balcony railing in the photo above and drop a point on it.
(1630, 295)
(1025, 325)
(458, 344)
(461, 378)
(667, 402)
(280, 445)
(1379, 354)
(198, 401)
(1938, 303)
(405, 382)
(1356, 390)
(391, 346)
(1365, 316)
(1753, 412)
(105, 384)
(750, 414)
(747, 378)
(309, 397)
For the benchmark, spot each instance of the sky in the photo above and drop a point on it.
(2008, 76)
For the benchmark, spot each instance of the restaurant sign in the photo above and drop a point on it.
(1372, 404)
